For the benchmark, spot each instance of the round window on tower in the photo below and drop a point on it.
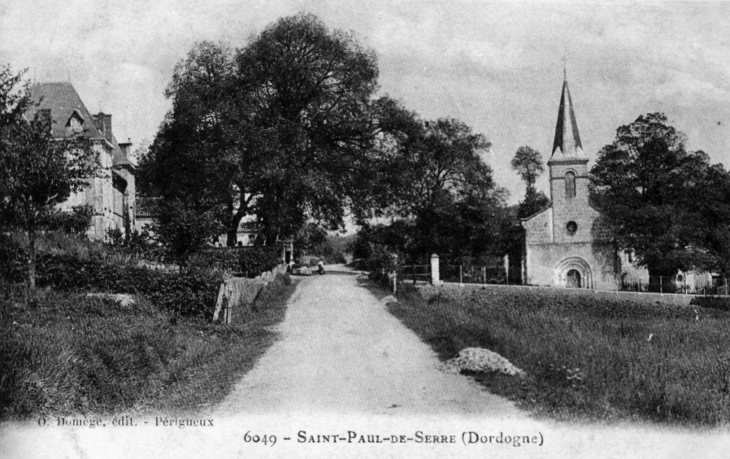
(571, 227)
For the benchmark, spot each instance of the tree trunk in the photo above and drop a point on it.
(232, 229)
(31, 258)
(232, 236)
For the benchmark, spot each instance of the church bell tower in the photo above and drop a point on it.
(568, 166)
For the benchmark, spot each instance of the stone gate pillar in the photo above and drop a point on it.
(435, 275)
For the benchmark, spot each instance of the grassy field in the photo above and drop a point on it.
(65, 353)
(587, 359)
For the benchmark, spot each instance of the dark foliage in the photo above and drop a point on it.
(246, 261)
(665, 203)
(76, 221)
(713, 302)
(280, 128)
(190, 293)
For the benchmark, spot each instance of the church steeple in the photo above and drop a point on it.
(567, 145)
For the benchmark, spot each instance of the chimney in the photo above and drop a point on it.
(126, 147)
(104, 124)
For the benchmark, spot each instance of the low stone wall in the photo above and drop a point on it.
(240, 293)
(638, 297)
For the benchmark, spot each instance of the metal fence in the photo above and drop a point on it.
(686, 284)
(415, 273)
(476, 274)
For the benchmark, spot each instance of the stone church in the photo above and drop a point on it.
(565, 245)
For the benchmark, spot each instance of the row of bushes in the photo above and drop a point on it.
(191, 293)
(71, 264)
(248, 261)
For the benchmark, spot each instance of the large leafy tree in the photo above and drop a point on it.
(527, 162)
(667, 204)
(437, 180)
(281, 128)
(312, 91)
(195, 161)
(37, 171)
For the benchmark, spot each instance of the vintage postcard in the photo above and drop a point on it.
(323, 228)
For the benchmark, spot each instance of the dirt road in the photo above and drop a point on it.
(340, 351)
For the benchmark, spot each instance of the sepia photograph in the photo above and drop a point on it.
(321, 228)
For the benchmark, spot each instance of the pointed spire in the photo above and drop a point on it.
(567, 144)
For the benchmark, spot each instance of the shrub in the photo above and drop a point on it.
(191, 293)
(77, 265)
(75, 221)
(254, 261)
(13, 256)
(248, 261)
(714, 302)
(223, 258)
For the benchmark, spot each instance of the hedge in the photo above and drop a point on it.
(714, 302)
(247, 261)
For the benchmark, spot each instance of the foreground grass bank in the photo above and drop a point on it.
(65, 353)
(597, 359)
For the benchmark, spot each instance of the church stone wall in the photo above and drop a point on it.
(539, 228)
(547, 264)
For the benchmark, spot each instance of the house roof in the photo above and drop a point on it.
(63, 102)
(567, 144)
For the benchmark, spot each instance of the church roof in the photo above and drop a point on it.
(567, 145)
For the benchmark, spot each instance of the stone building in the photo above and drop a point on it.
(565, 244)
(112, 194)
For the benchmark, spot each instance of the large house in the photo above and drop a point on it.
(112, 194)
(565, 244)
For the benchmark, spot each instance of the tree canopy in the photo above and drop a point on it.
(438, 185)
(667, 204)
(279, 128)
(527, 162)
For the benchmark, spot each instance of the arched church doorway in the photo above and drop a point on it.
(573, 279)
(573, 272)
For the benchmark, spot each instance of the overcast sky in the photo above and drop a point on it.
(496, 66)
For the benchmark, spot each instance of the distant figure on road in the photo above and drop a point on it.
(320, 267)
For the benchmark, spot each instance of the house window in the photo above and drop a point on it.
(75, 124)
(569, 185)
